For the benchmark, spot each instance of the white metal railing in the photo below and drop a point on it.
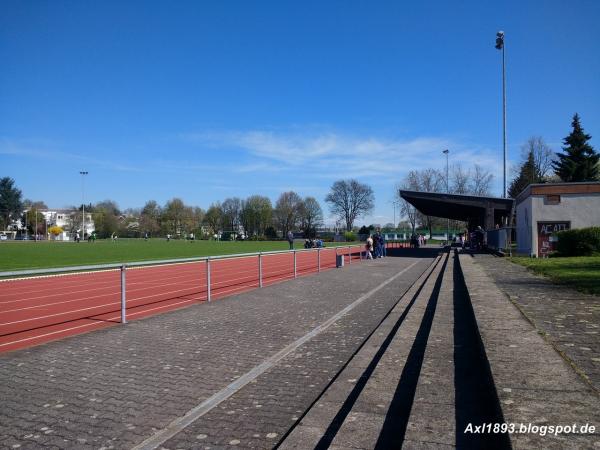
(122, 267)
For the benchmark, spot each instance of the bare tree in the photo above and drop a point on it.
(287, 211)
(349, 199)
(427, 180)
(481, 181)
(542, 156)
(311, 216)
(459, 179)
(231, 212)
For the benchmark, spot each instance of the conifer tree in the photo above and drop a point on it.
(527, 175)
(579, 162)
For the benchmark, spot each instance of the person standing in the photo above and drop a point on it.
(290, 239)
(383, 252)
(369, 248)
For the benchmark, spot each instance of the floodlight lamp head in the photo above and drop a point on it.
(500, 34)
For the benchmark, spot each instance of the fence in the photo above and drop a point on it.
(97, 292)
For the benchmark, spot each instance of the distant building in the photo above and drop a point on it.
(69, 220)
(544, 209)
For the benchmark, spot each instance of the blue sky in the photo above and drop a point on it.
(207, 100)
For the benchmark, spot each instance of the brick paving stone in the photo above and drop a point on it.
(535, 385)
(271, 405)
(569, 319)
(115, 387)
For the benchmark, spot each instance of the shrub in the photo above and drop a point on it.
(349, 236)
(579, 242)
(55, 230)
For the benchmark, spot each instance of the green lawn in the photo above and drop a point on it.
(582, 273)
(42, 255)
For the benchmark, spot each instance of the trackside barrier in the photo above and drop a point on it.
(123, 295)
(209, 261)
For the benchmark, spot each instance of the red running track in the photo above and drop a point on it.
(38, 310)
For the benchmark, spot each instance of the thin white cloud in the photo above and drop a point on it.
(332, 155)
(47, 151)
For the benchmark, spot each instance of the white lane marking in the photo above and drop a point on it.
(129, 314)
(198, 411)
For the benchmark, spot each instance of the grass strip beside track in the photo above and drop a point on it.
(582, 273)
(42, 255)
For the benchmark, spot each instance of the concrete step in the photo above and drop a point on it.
(419, 381)
(354, 409)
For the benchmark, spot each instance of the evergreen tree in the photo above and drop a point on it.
(11, 202)
(527, 175)
(579, 162)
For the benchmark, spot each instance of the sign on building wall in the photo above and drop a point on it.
(547, 236)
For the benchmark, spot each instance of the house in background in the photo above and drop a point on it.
(544, 209)
(69, 220)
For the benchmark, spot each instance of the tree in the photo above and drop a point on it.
(579, 162)
(10, 201)
(150, 217)
(287, 211)
(481, 181)
(542, 157)
(349, 199)
(106, 220)
(172, 217)
(459, 179)
(311, 217)
(231, 208)
(525, 177)
(256, 214)
(35, 221)
(427, 180)
(213, 217)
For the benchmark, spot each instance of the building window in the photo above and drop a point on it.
(552, 200)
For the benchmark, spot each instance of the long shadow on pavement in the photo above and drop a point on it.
(476, 399)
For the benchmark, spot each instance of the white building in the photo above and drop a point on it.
(65, 218)
(544, 209)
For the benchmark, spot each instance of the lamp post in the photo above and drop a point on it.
(500, 46)
(446, 152)
(83, 174)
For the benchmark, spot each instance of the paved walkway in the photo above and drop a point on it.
(118, 387)
(391, 353)
(568, 319)
(535, 385)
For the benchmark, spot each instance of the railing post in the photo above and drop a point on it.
(123, 295)
(295, 267)
(208, 279)
(260, 282)
(318, 260)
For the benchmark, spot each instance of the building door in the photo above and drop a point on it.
(547, 236)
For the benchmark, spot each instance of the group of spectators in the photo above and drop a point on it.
(375, 246)
(417, 240)
(313, 243)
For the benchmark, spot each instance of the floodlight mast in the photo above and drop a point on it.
(500, 46)
(446, 152)
(83, 174)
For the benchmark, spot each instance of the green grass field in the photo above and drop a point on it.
(582, 273)
(43, 255)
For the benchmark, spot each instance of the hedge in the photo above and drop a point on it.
(579, 242)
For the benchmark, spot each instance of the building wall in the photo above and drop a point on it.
(581, 210)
